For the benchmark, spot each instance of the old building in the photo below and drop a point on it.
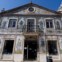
(31, 33)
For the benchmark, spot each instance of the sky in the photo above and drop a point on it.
(9, 4)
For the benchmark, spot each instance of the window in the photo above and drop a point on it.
(49, 23)
(31, 9)
(30, 25)
(8, 47)
(52, 47)
(12, 22)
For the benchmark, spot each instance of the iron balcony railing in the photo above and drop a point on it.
(25, 28)
(33, 28)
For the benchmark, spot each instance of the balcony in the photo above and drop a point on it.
(53, 31)
(34, 28)
(24, 29)
(30, 30)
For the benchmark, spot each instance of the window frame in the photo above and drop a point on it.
(31, 11)
(15, 23)
(34, 23)
(52, 23)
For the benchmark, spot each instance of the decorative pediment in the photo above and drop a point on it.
(30, 8)
(34, 10)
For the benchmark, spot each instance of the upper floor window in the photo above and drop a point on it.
(30, 25)
(12, 23)
(49, 23)
(31, 9)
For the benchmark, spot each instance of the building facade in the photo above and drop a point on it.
(31, 33)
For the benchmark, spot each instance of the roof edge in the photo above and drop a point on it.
(31, 3)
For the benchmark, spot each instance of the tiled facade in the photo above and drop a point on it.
(31, 33)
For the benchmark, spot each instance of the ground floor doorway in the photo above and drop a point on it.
(52, 47)
(8, 47)
(30, 49)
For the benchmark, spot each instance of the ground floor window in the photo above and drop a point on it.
(8, 47)
(52, 47)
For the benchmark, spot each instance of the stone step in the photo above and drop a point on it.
(30, 61)
(6, 61)
(57, 61)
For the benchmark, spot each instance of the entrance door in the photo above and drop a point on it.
(30, 50)
(52, 47)
(30, 25)
(8, 47)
